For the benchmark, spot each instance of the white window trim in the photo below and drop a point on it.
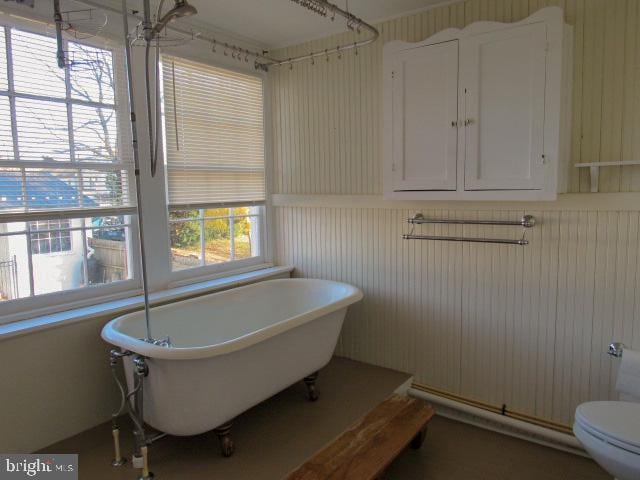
(42, 304)
(183, 277)
(120, 305)
(203, 271)
(22, 314)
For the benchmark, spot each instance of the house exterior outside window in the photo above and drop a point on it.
(50, 236)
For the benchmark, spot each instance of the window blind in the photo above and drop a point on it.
(214, 132)
(64, 136)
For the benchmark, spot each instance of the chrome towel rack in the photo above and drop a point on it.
(527, 221)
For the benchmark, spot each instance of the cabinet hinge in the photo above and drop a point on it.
(393, 74)
(393, 167)
(547, 47)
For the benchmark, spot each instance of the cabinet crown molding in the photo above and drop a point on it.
(553, 16)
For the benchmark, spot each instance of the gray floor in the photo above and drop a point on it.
(276, 436)
(457, 451)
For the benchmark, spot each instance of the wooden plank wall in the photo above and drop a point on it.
(326, 116)
(527, 327)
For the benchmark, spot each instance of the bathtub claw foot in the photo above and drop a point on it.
(226, 444)
(312, 391)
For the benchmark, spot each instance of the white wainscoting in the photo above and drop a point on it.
(523, 326)
(527, 327)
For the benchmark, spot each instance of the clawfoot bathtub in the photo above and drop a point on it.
(231, 350)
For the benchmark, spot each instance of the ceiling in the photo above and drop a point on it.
(279, 23)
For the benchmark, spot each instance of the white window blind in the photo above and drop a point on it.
(61, 150)
(214, 132)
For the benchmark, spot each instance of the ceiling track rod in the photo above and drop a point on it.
(354, 23)
(263, 61)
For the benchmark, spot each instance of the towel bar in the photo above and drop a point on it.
(504, 241)
(527, 221)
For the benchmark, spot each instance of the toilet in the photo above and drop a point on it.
(610, 433)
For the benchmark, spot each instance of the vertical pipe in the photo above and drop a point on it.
(57, 16)
(136, 161)
(30, 259)
(16, 291)
(140, 368)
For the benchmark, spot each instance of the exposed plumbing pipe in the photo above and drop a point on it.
(136, 162)
(540, 435)
(57, 17)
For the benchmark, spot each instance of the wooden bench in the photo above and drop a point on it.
(367, 448)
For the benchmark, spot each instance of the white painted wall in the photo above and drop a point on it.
(55, 383)
(527, 327)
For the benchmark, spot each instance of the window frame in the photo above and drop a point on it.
(205, 272)
(47, 303)
(161, 277)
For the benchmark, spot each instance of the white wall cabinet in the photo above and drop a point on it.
(480, 113)
(426, 145)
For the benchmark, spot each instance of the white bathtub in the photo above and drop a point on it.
(232, 350)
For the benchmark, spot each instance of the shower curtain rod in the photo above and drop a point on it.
(263, 60)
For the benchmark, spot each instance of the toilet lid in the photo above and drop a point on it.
(617, 422)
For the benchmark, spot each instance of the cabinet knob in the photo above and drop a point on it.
(468, 121)
(454, 123)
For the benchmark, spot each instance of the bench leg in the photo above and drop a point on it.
(418, 440)
(226, 444)
(310, 382)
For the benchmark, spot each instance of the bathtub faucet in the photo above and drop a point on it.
(161, 342)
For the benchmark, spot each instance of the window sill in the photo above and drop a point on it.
(117, 307)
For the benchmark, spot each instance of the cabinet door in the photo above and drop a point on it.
(425, 103)
(503, 90)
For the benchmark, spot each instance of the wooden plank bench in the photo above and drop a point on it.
(367, 448)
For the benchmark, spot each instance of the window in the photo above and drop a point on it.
(65, 200)
(214, 150)
(230, 234)
(50, 236)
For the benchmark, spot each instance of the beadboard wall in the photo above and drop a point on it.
(326, 116)
(523, 326)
